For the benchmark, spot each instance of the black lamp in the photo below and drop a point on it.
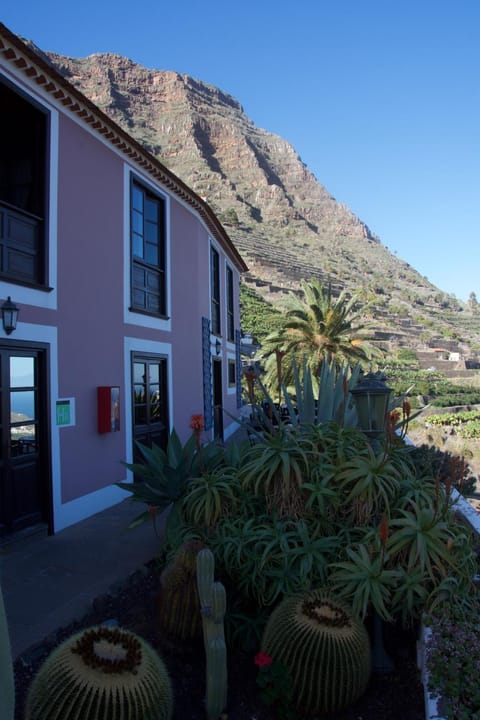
(218, 347)
(371, 399)
(9, 315)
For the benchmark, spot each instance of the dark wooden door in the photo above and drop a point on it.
(150, 401)
(24, 492)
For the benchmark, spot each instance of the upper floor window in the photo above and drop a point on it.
(215, 291)
(23, 189)
(147, 227)
(230, 306)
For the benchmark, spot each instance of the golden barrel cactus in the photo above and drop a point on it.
(101, 673)
(325, 648)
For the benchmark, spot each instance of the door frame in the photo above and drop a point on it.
(45, 460)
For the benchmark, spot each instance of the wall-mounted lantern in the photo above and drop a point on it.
(9, 316)
(218, 347)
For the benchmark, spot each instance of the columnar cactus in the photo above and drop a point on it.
(213, 605)
(101, 673)
(325, 648)
(179, 608)
(7, 686)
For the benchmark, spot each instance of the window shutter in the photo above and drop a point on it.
(207, 375)
(238, 374)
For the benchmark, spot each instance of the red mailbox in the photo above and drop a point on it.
(108, 408)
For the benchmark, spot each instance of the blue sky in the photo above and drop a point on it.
(380, 98)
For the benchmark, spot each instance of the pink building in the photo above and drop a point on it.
(127, 287)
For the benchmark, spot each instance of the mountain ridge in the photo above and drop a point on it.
(280, 217)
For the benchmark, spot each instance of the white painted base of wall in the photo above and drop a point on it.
(83, 507)
(431, 701)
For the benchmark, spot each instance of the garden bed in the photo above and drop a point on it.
(397, 696)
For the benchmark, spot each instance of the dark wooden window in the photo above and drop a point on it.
(147, 231)
(215, 290)
(230, 311)
(23, 189)
(150, 400)
(232, 375)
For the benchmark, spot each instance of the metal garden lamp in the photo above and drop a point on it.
(371, 397)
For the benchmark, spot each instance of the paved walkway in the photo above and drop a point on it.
(49, 581)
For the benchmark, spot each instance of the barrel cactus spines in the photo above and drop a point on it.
(213, 604)
(325, 648)
(179, 609)
(101, 673)
(7, 685)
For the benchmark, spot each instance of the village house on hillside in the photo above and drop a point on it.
(127, 287)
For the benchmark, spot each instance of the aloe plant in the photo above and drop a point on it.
(425, 540)
(267, 556)
(210, 496)
(365, 581)
(275, 467)
(371, 484)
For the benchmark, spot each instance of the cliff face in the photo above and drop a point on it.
(204, 136)
(282, 219)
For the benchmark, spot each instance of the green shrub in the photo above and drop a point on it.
(384, 535)
(453, 659)
(449, 469)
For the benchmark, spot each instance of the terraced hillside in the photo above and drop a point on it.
(282, 219)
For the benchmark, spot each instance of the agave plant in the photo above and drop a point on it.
(164, 475)
(325, 398)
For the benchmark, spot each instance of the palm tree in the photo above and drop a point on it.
(315, 327)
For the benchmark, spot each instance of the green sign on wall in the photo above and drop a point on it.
(65, 412)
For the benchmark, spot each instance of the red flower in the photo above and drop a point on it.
(197, 423)
(262, 659)
(383, 530)
(394, 418)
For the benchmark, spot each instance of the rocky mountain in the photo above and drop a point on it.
(281, 218)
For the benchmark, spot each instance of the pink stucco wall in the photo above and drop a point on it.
(90, 313)
(90, 302)
(91, 318)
